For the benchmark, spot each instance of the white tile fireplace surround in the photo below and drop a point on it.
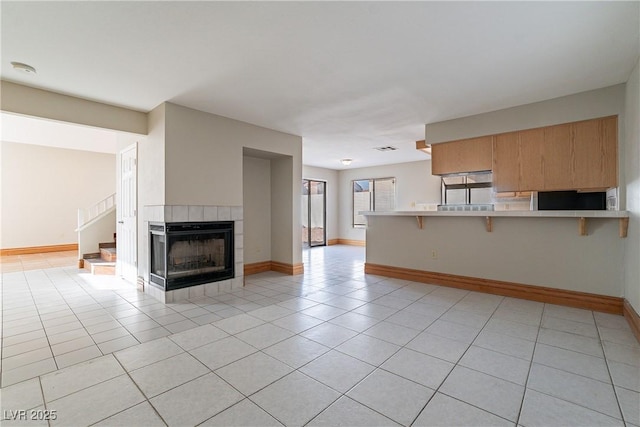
(193, 213)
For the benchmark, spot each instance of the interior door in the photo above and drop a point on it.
(314, 213)
(127, 236)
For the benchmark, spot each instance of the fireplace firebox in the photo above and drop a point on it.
(186, 254)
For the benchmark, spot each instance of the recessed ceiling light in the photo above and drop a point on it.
(23, 68)
(346, 162)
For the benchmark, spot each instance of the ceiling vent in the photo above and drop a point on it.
(388, 148)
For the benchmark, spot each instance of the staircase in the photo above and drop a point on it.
(95, 224)
(103, 262)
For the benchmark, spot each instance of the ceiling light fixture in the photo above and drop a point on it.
(346, 162)
(23, 68)
(423, 146)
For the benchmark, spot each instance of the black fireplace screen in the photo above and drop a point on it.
(188, 254)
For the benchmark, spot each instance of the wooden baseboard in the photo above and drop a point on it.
(281, 267)
(576, 299)
(331, 242)
(351, 242)
(298, 269)
(632, 318)
(257, 267)
(39, 249)
(290, 269)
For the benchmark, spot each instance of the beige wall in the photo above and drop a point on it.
(151, 180)
(581, 106)
(533, 251)
(204, 155)
(608, 101)
(256, 175)
(42, 189)
(286, 234)
(29, 101)
(631, 158)
(330, 176)
(414, 184)
(546, 252)
(199, 157)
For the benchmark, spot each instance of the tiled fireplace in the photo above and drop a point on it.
(193, 251)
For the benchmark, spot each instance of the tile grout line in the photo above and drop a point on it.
(458, 361)
(363, 333)
(533, 355)
(146, 399)
(613, 386)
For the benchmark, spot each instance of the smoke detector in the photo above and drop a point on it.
(388, 148)
(23, 68)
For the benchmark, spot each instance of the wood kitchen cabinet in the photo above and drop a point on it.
(506, 162)
(595, 153)
(558, 158)
(467, 155)
(518, 164)
(573, 156)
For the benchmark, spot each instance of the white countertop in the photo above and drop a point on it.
(526, 214)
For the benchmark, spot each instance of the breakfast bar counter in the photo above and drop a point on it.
(621, 216)
(515, 253)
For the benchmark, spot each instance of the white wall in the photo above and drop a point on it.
(631, 156)
(330, 176)
(42, 189)
(414, 184)
(257, 209)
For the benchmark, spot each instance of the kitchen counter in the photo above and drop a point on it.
(567, 257)
(528, 214)
(622, 216)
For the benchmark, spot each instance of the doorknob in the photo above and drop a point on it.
(120, 222)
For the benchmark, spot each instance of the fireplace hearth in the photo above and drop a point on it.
(185, 254)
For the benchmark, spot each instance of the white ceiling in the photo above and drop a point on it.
(346, 76)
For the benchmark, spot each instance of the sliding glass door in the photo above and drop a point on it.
(314, 212)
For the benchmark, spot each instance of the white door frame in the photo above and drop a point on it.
(127, 271)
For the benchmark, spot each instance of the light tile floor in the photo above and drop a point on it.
(332, 347)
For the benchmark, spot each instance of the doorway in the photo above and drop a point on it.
(314, 213)
(126, 230)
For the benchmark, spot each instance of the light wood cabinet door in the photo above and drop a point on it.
(531, 159)
(506, 160)
(518, 163)
(595, 153)
(558, 158)
(467, 155)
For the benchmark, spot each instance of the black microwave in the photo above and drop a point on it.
(571, 201)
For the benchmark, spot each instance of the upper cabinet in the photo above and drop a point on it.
(518, 161)
(595, 147)
(467, 155)
(572, 156)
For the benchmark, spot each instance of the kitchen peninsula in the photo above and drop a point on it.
(566, 257)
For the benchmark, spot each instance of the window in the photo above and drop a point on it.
(372, 195)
